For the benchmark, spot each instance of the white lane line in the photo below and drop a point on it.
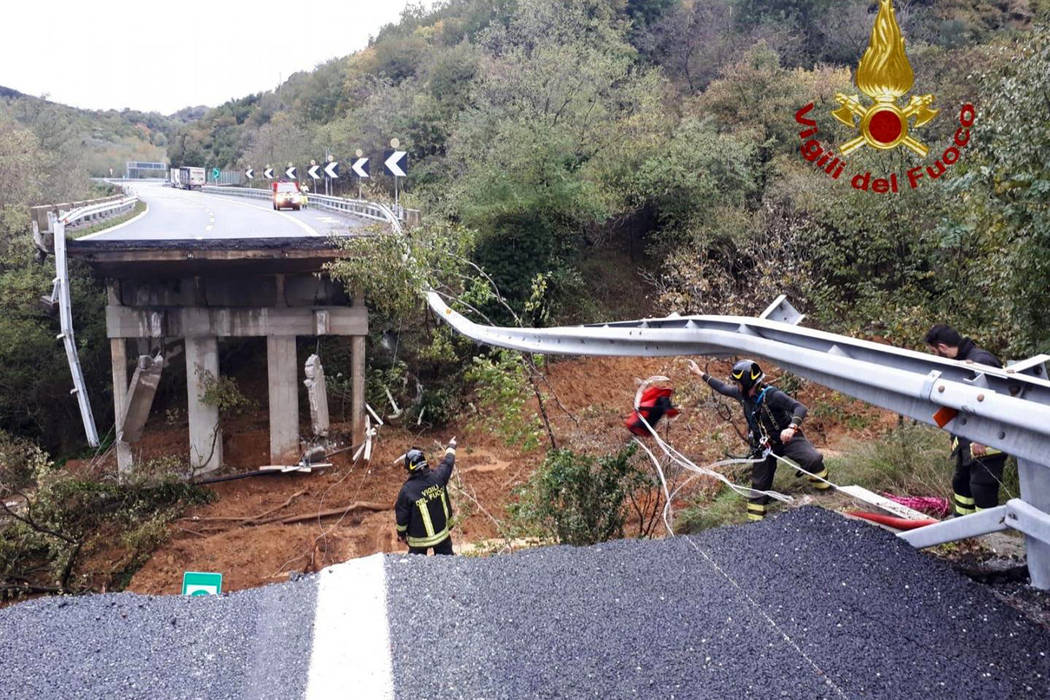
(351, 645)
(310, 230)
(114, 228)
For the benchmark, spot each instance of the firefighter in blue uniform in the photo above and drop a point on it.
(423, 509)
(978, 468)
(774, 420)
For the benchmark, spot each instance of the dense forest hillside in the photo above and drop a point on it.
(612, 158)
(603, 159)
(562, 133)
(89, 142)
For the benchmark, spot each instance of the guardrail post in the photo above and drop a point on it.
(1035, 490)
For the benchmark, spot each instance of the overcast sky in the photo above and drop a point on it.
(163, 56)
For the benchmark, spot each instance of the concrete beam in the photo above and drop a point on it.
(199, 322)
(284, 399)
(202, 360)
(140, 397)
(118, 354)
(318, 394)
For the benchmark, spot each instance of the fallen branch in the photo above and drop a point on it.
(240, 518)
(287, 520)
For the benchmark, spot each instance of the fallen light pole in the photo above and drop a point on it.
(1005, 408)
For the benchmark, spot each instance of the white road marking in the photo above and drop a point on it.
(310, 230)
(126, 223)
(351, 645)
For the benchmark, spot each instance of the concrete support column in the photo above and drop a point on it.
(357, 375)
(1035, 489)
(284, 399)
(202, 359)
(357, 389)
(118, 353)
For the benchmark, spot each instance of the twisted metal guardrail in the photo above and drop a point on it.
(1005, 408)
(357, 207)
(57, 223)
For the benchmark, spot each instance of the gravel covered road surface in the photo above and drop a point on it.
(803, 605)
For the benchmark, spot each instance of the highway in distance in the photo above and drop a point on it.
(175, 214)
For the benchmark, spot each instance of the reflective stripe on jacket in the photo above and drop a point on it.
(423, 509)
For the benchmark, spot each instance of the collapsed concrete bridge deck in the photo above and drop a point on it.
(201, 291)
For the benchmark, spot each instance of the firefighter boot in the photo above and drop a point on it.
(815, 480)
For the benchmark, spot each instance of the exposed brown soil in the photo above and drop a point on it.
(229, 536)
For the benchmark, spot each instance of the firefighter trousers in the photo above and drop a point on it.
(800, 451)
(442, 547)
(976, 483)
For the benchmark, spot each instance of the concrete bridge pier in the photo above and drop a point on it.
(118, 353)
(202, 369)
(201, 292)
(357, 374)
(283, 375)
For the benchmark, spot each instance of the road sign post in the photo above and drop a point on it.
(396, 163)
(196, 583)
(331, 173)
(360, 168)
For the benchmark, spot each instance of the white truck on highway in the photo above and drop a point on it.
(191, 178)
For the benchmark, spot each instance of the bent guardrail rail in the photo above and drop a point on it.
(57, 223)
(1005, 408)
(357, 207)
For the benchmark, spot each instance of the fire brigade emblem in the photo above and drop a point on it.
(885, 75)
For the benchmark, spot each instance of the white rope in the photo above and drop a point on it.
(707, 471)
(684, 462)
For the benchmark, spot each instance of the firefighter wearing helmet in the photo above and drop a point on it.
(774, 422)
(423, 509)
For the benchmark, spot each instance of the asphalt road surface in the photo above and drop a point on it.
(803, 605)
(175, 214)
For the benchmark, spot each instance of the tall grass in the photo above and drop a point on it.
(912, 459)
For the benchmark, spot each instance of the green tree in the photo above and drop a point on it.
(577, 499)
(1013, 139)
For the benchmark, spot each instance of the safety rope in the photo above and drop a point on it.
(709, 470)
(683, 461)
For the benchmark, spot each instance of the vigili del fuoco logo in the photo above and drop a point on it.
(884, 75)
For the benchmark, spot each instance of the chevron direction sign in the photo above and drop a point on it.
(396, 163)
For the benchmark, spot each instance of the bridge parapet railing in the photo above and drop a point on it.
(74, 214)
(39, 214)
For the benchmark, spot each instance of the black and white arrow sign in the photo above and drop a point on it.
(268, 173)
(312, 172)
(291, 173)
(332, 170)
(360, 168)
(396, 162)
(249, 173)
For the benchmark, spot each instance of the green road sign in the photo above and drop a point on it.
(201, 583)
(215, 174)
